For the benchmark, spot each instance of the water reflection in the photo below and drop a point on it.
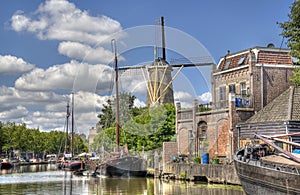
(47, 180)
(29, 168)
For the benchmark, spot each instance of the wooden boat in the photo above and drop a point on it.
(118, 165)
(73, 164)
(127, 166)
(261, 170)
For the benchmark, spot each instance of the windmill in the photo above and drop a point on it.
(158, 74)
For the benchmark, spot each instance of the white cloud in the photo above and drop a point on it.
(47, 110)
(205, 97)
(13, 65)
(68, 76)
(11, 97)
(19, 22)
(138, 103)
(79, 51)
(15, 113)
(185, 98)
(61, 20)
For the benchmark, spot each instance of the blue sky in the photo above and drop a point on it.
(49, 48)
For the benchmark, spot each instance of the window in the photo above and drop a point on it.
(232, 88)
(243, 89)
(202, 137)
(222, 93)
(222, 97)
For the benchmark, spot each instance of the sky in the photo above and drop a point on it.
(51, 49)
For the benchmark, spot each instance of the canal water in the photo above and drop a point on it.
(46, 179)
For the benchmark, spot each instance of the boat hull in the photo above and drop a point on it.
(124, 167)
(76, 166)
(6, 165)
(257, 179)
(72, 166)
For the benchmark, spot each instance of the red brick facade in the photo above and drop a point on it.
(254, 77)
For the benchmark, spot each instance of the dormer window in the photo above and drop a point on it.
(227, 64)
(241, 61)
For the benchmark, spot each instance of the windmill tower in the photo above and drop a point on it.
(160, 89)
(158, 74)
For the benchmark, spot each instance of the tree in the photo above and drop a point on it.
(295, 79)
(291, 29)
(108, 115)
(146, 129)
(19, 137)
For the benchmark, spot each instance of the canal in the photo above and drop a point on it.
(46, 179)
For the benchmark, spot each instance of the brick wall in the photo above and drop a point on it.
(275, 81)
(169, 150)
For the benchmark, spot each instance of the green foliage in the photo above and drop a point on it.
(19, 137)
(203, 108)
(141, 129)
(108, 116)
(183, 175)
(295, 79)
(150, 127)
(291, 29)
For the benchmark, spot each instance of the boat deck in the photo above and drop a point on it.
(281, 159)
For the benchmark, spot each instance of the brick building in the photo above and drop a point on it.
(242, 84)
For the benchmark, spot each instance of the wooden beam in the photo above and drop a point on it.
(278, 148)
(282, 140)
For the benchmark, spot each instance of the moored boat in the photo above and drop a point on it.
(127, 166)
(261, 170)
(120, 163)
(5, 164)
(69, 161)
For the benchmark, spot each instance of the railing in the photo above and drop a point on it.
(241, 101)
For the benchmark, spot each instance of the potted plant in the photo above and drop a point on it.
(197, 159)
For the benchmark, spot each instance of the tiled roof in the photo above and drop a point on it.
(233, 62)
(263, 55)
(269, 57)
(283, 108)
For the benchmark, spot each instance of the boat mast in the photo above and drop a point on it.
(114, 46)
(67, 126)
(72, 143)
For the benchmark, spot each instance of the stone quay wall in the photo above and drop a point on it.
(214, 173)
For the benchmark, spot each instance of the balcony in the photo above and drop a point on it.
(241, 101)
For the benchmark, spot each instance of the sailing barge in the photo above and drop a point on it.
(117, 164)
(261, 170)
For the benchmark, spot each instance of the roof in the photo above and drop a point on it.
(263, 55)
(285, 107)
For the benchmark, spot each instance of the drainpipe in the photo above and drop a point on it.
(195, 109)
(262, 85)
(231, 113)
(178, 117)
(213, 84)
(251, 81)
